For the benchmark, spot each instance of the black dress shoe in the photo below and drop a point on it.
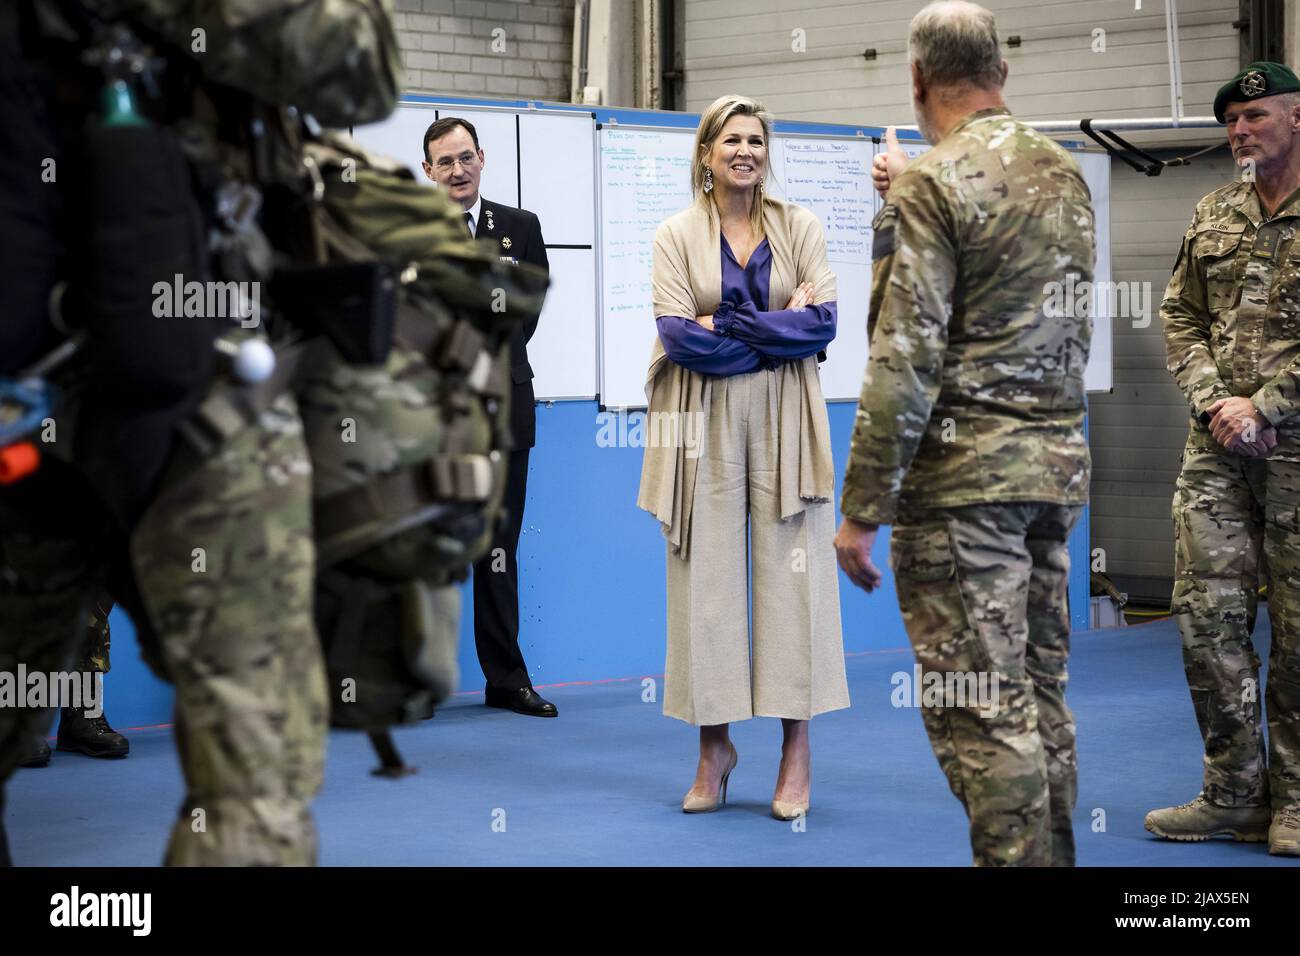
(524, 701)
(37, 755)
(90, 735)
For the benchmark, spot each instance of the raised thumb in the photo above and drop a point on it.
(891, 141)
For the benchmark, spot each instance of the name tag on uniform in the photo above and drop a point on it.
(510, 259)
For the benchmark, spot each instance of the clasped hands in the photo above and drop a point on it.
(1238, 426)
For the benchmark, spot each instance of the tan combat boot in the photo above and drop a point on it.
(1284, 834)
(1200, 820)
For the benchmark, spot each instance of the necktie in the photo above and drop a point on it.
(468, 225)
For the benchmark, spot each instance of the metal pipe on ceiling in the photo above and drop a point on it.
(1175, 61)
(581, 28)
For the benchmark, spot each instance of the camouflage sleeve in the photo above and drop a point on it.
(913, 275)
(1186, 318)
(1279, 398)
(336, 59)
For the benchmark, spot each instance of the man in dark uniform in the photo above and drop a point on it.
(454, 161)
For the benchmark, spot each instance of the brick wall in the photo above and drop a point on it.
(448, 47)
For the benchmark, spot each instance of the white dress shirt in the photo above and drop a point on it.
(474, 211)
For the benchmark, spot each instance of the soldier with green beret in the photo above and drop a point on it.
(1232, 331)
(1260, 79)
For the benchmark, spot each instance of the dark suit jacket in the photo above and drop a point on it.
(519, 236)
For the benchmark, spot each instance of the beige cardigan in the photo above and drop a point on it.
(687, 282)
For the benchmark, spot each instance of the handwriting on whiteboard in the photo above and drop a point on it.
(646, 178)
(833, 180)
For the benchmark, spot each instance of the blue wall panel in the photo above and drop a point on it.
(591, 573)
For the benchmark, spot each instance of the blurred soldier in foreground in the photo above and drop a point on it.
(193, 487)
(1232, 331)
(178, 480)
(969, 435)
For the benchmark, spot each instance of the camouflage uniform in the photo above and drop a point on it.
(236, 637)
(223, 555)
(969, 440)
(94, 656)
(230, 626)
(1232, 328)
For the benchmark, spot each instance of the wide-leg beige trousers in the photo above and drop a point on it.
(796, 668)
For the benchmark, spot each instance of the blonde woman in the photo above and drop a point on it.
(744, 301)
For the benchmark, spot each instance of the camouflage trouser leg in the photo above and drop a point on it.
(1046, 657)
(1282, 697)
(1218, 532)
(982, 589)
(94, 657)
(224, 560)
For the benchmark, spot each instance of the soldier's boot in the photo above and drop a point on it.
(1201, 819)
(37, 753)
(1284, 834)
(90, 735)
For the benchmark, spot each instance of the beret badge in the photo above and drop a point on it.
(1253, 83)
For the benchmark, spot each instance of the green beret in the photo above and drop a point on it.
(1259, 79)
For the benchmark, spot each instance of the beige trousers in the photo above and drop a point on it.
(781, 584)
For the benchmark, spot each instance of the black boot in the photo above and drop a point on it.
(90, 735)
(37, 753)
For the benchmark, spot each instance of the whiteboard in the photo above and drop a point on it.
(832, 179)
(645, 178)
(557, 181)
(543, 162)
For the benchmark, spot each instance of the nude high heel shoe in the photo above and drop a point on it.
(694, 804)
(790, 810)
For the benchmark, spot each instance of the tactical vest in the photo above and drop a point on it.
(389, 325)
(395, 344)
(408, 452)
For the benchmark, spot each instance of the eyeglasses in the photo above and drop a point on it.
(466, 160)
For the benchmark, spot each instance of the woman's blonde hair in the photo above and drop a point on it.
(711, 122)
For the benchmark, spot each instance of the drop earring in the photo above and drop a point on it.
(708, 179)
